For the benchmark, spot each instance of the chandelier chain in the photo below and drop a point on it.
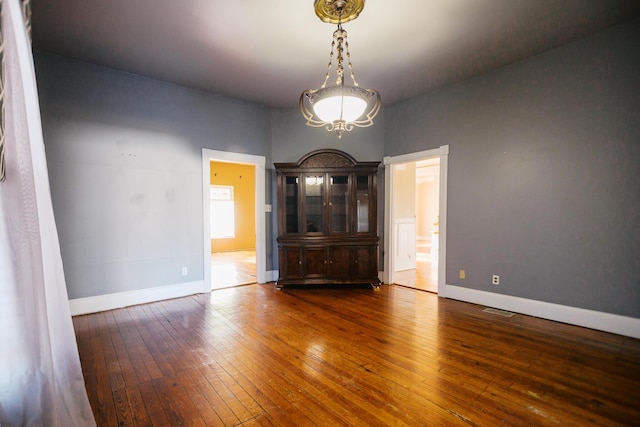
(339, 49)
(329, 66)
(340, 36)
(351, 73)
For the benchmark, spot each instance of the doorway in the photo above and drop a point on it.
(234, 219)
(415, 219)
(233, 231)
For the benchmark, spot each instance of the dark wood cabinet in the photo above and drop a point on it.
(327, 220)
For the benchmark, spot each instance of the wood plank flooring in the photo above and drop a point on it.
(425, 275)
(253, 355)
(232, 269)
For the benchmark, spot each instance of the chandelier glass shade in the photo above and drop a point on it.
(339, 102)
(339, 107)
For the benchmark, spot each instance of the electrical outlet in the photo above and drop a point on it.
(463, 275)
(185, 271)
(495, 280)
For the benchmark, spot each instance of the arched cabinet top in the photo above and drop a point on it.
(326, 158)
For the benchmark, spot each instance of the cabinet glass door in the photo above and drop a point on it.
(339, 203)
(314, 203)
(362, 203)
(291, 204)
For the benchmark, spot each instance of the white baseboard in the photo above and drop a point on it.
(140, 296)
(622, 325)
(272, 275)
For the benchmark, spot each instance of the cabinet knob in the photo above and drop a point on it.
(325, 261)
(300, 262)
(356, 261)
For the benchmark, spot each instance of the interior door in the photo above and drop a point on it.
(405, 247)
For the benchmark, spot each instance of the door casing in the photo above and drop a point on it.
(443, 153)
(259, 163)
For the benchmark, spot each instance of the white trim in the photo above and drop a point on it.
(389, 219)
(442, 219)
(622, 325)
(272, 275)
(443, 150)
(261, 246)
(387, 265)
(125, 299)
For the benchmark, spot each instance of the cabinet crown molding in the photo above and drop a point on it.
(326, 158)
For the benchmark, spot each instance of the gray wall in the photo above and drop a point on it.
(292, 138)
(124, 155)
(544, 173)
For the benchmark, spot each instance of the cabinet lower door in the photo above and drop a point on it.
(340, 261)
(290, 263)
(366, 262)
(315, 264)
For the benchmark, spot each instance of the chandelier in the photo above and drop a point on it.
(339, 107)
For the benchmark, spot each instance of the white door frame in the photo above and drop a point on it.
(389, 214)
(259, 163)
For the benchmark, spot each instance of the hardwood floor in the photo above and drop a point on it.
(253, 355)
(425, 275)
(232, 269)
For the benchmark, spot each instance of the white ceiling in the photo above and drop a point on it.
(268, 52)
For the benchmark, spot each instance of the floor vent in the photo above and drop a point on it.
(498, 312)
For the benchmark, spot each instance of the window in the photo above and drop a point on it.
(223, 224)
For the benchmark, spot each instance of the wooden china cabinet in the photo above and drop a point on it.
(327, 220)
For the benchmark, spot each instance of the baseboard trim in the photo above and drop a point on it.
(272, 275)
(622, 325)
(141, 296)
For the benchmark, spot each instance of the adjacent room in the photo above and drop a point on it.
(191, 235)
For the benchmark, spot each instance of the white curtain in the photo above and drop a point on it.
(41, 381)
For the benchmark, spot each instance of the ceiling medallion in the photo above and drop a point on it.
(339, 107)
(336, 11)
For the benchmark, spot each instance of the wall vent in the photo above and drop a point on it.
(498, 312)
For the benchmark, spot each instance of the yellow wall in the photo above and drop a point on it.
(426, 209)
(405, 189)
(242, 178)
(427, 199)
